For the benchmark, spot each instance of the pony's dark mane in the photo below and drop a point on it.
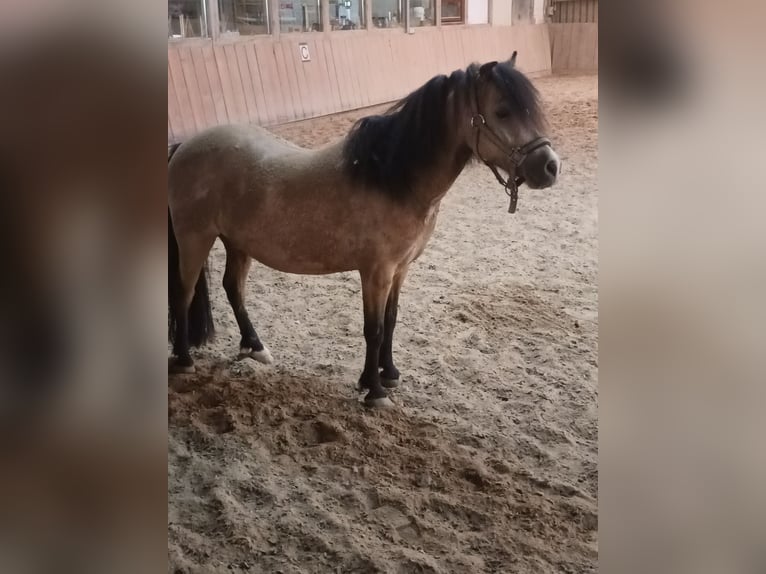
(386, 151)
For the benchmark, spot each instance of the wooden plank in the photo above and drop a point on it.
(595, 47)
(320, 79)
(341, 73)
(405, 53)
(574, 50)
(454, 50)
(465, 50)
(206, 93)
(441, 55)
(312, 82)
(247, 83)
(300, 110)
(431, 67)
(192, 88)
(565, 47)
(569, 59)
(182, 95)
(502, 39)
(584, 49)
(216, 89)
(175, 119)
(289, 93)
(352, 85)
(226, 88)
(529, 45)
(306, 95)
(379, 69)
(264, 117)
(488, 43)
(537, 48)
(237, 86)
(481, 52)
(272, 89)
(332, 76)
(564, 43)
(571, 56)
(393, 76)
(590, 40)
(351, 61)
(366, 64)
(545, 47)
(397, 80)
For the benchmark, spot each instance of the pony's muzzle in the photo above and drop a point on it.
(541, 168)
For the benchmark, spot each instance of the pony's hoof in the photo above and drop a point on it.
(389, 383)
(379, 403)
(262, 356)
(176, 368)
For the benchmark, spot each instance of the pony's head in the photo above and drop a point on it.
(507, 125)
(492, 112)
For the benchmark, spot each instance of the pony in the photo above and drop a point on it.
(366, 203)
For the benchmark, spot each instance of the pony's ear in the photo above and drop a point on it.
(512, 61)
(485, 69)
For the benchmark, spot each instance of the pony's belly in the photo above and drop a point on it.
(296, 251)
(307, 237)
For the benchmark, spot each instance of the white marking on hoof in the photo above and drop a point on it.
(379, 403)
(263, 356)
(389, 383)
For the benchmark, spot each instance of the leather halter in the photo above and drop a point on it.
(516, 155)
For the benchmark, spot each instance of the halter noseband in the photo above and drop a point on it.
(517, 155)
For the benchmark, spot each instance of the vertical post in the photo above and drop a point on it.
(324, 7)
(274, 18)
(407, 24)
(214, 18)
(438, 13)
(367, 14)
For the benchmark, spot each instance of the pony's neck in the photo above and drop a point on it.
(437, 178)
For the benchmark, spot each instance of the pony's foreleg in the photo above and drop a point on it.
(237, 266)
(376, 286)
(389, 374)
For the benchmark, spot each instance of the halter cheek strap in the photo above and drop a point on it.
(516, 155)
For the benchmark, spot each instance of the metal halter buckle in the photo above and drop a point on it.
(481, 119)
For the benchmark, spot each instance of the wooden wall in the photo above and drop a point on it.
(574, 11)
(574, 47)
(263, 81)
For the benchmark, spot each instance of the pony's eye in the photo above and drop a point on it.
(503, 113)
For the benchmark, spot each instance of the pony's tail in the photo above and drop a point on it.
(200, 317)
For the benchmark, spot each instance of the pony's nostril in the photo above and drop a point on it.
(552, 167)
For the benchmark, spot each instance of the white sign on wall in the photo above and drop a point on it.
(303, 50)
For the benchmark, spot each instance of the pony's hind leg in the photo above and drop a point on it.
(389, 374)
(192, 322)
(237, 266)
(376, 287)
